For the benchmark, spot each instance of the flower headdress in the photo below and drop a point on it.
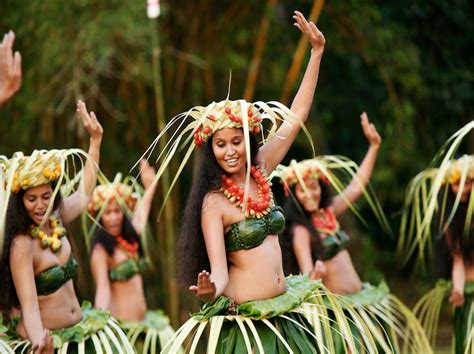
(327, 169)
(201, 122)
(127, 192)
(41, 167)
(426, 196)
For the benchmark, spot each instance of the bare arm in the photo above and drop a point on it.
(75, 203)
(458, 278)
(100, 272)
(275, 150)
(21, 265)
(143, 209)
(301, 243)
(10, 68)
(210, 286)
(354, 190)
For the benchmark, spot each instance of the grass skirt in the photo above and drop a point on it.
(429, 307)
(277, 325)
(98, 332)
(150, 335)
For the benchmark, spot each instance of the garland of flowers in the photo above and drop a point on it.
(325, 222)
(236, 195)
(130, 248)
(53, 241)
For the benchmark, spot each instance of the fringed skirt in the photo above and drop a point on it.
(429, 307)
(278, 325)
(98, 332)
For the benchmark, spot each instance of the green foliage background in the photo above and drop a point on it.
(407, 63)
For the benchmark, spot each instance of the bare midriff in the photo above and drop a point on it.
(58, 310)
(128, 299)
(257, 273)
(341, 277)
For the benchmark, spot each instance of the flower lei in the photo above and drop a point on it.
(130, 248)
(254, 208)
(325, 222)
(53, 241)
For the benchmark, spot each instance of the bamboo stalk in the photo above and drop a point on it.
(299, 55)
(166, 227)
(258, 53)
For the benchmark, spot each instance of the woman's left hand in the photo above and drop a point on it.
(90, 121)
(457, 298)
(205, 288)
(147, 173)
(370, 132)
(309, 29)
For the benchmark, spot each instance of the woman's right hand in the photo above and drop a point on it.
(46, 344)
(10, 68)
(205, 288)
(90, 121)
(309, 29)
(370, 132)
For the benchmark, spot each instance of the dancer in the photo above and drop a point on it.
(438, 224)
(37, 265)
(230, 226)
(314, 244)
(117, 258)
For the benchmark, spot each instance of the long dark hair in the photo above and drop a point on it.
(191, 251)
(455, 241)
(17, 223)
(101, 236)
(295, 214)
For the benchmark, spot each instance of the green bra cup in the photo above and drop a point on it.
(127, 269)
(251, 232)
(332, 244)
(51, 279)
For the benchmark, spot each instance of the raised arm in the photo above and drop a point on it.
(21, 265)
(75, 203)
(211, 285)
(275, 150)
(10, 68)
(100, 272)
(354, 190)
(142, 212)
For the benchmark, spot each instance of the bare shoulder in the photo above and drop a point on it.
(214, 202)
(22, 244)
(99, 250)
(300, 231)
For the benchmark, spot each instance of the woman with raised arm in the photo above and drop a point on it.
(443, 233)
(117, 258)
(228, 252)
(37, 265)
(314, 244)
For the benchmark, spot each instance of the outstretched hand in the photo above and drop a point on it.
(457, 298)
(205, 288)
(10, 68)
(370, 132)
(147, 173)
(309, 29)
(46, 344)
(318, 271)
(90, 121)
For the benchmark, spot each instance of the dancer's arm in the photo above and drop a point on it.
(354, 190)
(140, 217)
(10, 68)
(75, 203)
(458, 278)
(211, 285)
(100, 272)
(21, 265)
(275, 150)
(301, 243)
